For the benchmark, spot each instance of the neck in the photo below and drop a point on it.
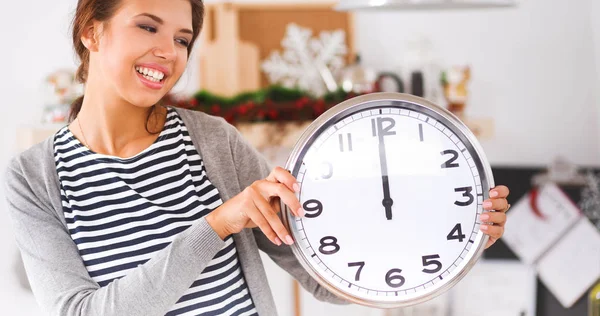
(116, 127)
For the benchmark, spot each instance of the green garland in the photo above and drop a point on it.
(274, 103)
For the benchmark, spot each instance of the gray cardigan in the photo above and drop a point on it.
(58, 277)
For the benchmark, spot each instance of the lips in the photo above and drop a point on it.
(152, 75)
(150, 83)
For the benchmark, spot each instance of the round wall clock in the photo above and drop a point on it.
(393, 187)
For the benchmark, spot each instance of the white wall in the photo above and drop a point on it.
(532, 70)
(536, 70)
(595, 23)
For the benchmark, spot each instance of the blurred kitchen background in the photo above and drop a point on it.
(524, 75)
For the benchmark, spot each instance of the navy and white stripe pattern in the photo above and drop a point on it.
(120, 211)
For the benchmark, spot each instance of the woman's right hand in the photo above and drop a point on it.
(257, 206)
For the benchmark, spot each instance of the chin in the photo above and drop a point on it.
(141, 96)
(145, 102)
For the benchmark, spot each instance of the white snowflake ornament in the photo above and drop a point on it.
(309, 64)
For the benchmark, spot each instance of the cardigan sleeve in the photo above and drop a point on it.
(252, 166)
(58, 277)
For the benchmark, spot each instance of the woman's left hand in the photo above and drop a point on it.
(493, 222)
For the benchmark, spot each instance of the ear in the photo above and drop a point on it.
(90, 37)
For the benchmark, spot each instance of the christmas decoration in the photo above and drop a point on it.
(307, 63)
(272, 104)
(590, 199)
(454, 82)
(60, 90)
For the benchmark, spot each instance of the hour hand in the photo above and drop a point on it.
(387, 201)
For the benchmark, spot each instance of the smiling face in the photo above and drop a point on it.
(143, 50)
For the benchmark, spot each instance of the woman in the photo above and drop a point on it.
(139, 209)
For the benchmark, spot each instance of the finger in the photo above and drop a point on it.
(497, 218)
(274, 189)
(493, 231)
(283, 176)
(500, 191)
(261, 222)
(490, 242)
(495, 204)
(268, 217)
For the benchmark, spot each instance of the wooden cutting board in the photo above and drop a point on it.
(228, 65)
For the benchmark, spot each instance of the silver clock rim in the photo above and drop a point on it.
(366, 101)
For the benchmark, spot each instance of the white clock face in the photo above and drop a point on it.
(392, 199)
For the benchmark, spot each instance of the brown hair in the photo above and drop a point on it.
(102, 11)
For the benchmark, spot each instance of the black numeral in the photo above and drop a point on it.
(379, 129)
(456, 233)
(342, 147)
(394, 280)
(428, 260)
(313, 208)
(327, 243)
(360, 265)
(467, 193)
(450, 163)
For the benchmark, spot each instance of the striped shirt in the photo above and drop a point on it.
(121, 211)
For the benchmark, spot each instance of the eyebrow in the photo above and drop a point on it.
(160, 21)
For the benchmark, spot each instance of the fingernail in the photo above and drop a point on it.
(494, 193)
(487, 204)
(484, 217)
(484, 227)
(301, 212)
(277, 241)
(296, 187)
(289, 240)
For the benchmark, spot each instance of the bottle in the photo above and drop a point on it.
(357, 78)
(594, 300)
(416, 84)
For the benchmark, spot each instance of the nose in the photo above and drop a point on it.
(166, 49)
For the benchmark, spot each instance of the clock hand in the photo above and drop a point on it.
(387, 200)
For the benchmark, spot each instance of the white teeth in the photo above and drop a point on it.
(151, 74)
(152, 79)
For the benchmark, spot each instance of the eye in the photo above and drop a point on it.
(148, 28)
(183, 42)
